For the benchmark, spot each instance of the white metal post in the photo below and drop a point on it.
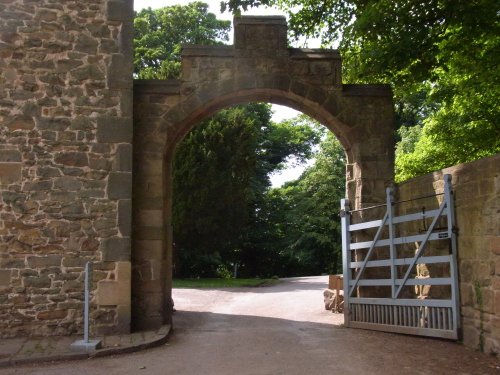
(455, 295)
(345, 219)
(86, 306)
(86, 344)
(392, 247)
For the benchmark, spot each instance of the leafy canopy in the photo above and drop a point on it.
(160, 33)
(440, 56)
(298, 228)
(221, 174)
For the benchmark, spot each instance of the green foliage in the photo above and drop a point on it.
(298, 228)
(221, 172)
(223, 272)
(409, 136)
(440, 56)
(301, 136)
(222, 283)
(159, 35)
(313, 233)
(465, 92)
(213, 168)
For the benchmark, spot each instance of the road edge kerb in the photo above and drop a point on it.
(160, 338)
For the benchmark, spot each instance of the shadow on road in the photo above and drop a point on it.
(291, 347)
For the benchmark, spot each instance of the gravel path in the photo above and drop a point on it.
(281, 329)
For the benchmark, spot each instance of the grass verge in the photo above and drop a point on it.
(222, 283)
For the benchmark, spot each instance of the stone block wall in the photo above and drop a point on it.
(65, 164)
(476, 188)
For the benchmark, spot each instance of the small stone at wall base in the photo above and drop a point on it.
(332, 301)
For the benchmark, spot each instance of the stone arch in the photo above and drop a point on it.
(259, 67)
(217, 101)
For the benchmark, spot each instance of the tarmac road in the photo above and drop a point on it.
(281, 329)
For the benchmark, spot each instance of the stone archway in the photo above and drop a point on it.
(258, 67)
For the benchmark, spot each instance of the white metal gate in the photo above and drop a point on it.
(395, 312)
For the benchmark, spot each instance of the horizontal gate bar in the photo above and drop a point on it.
(368, 255)
(426, 281)
(402, 302)
(417, 216)
(395, 220)
(400, 240)
(422, 244)
(367, 225)
(445, 334)
(403, 261)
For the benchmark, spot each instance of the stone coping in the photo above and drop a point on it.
(230, 51)
(260, 20)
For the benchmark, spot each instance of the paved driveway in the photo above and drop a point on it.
(281, 329)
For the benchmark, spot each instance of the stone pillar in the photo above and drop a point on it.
(369, 111)
(149, 243)
(151, 255)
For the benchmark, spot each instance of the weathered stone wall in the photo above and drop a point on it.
(476, 188)
(65, 163)
(66, 152)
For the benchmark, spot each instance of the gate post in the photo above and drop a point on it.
(455, 293)
(392, 248)
(345, 219)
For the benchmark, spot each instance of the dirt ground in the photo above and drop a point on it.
(281, 329)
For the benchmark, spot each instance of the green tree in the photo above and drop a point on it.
(312, 241)
(440, 56)
(297, 231)
(159, 35)
(221, 174)
(213, 169)
(318, 246)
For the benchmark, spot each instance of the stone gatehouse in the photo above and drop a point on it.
(72, 188)
(86, 152)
